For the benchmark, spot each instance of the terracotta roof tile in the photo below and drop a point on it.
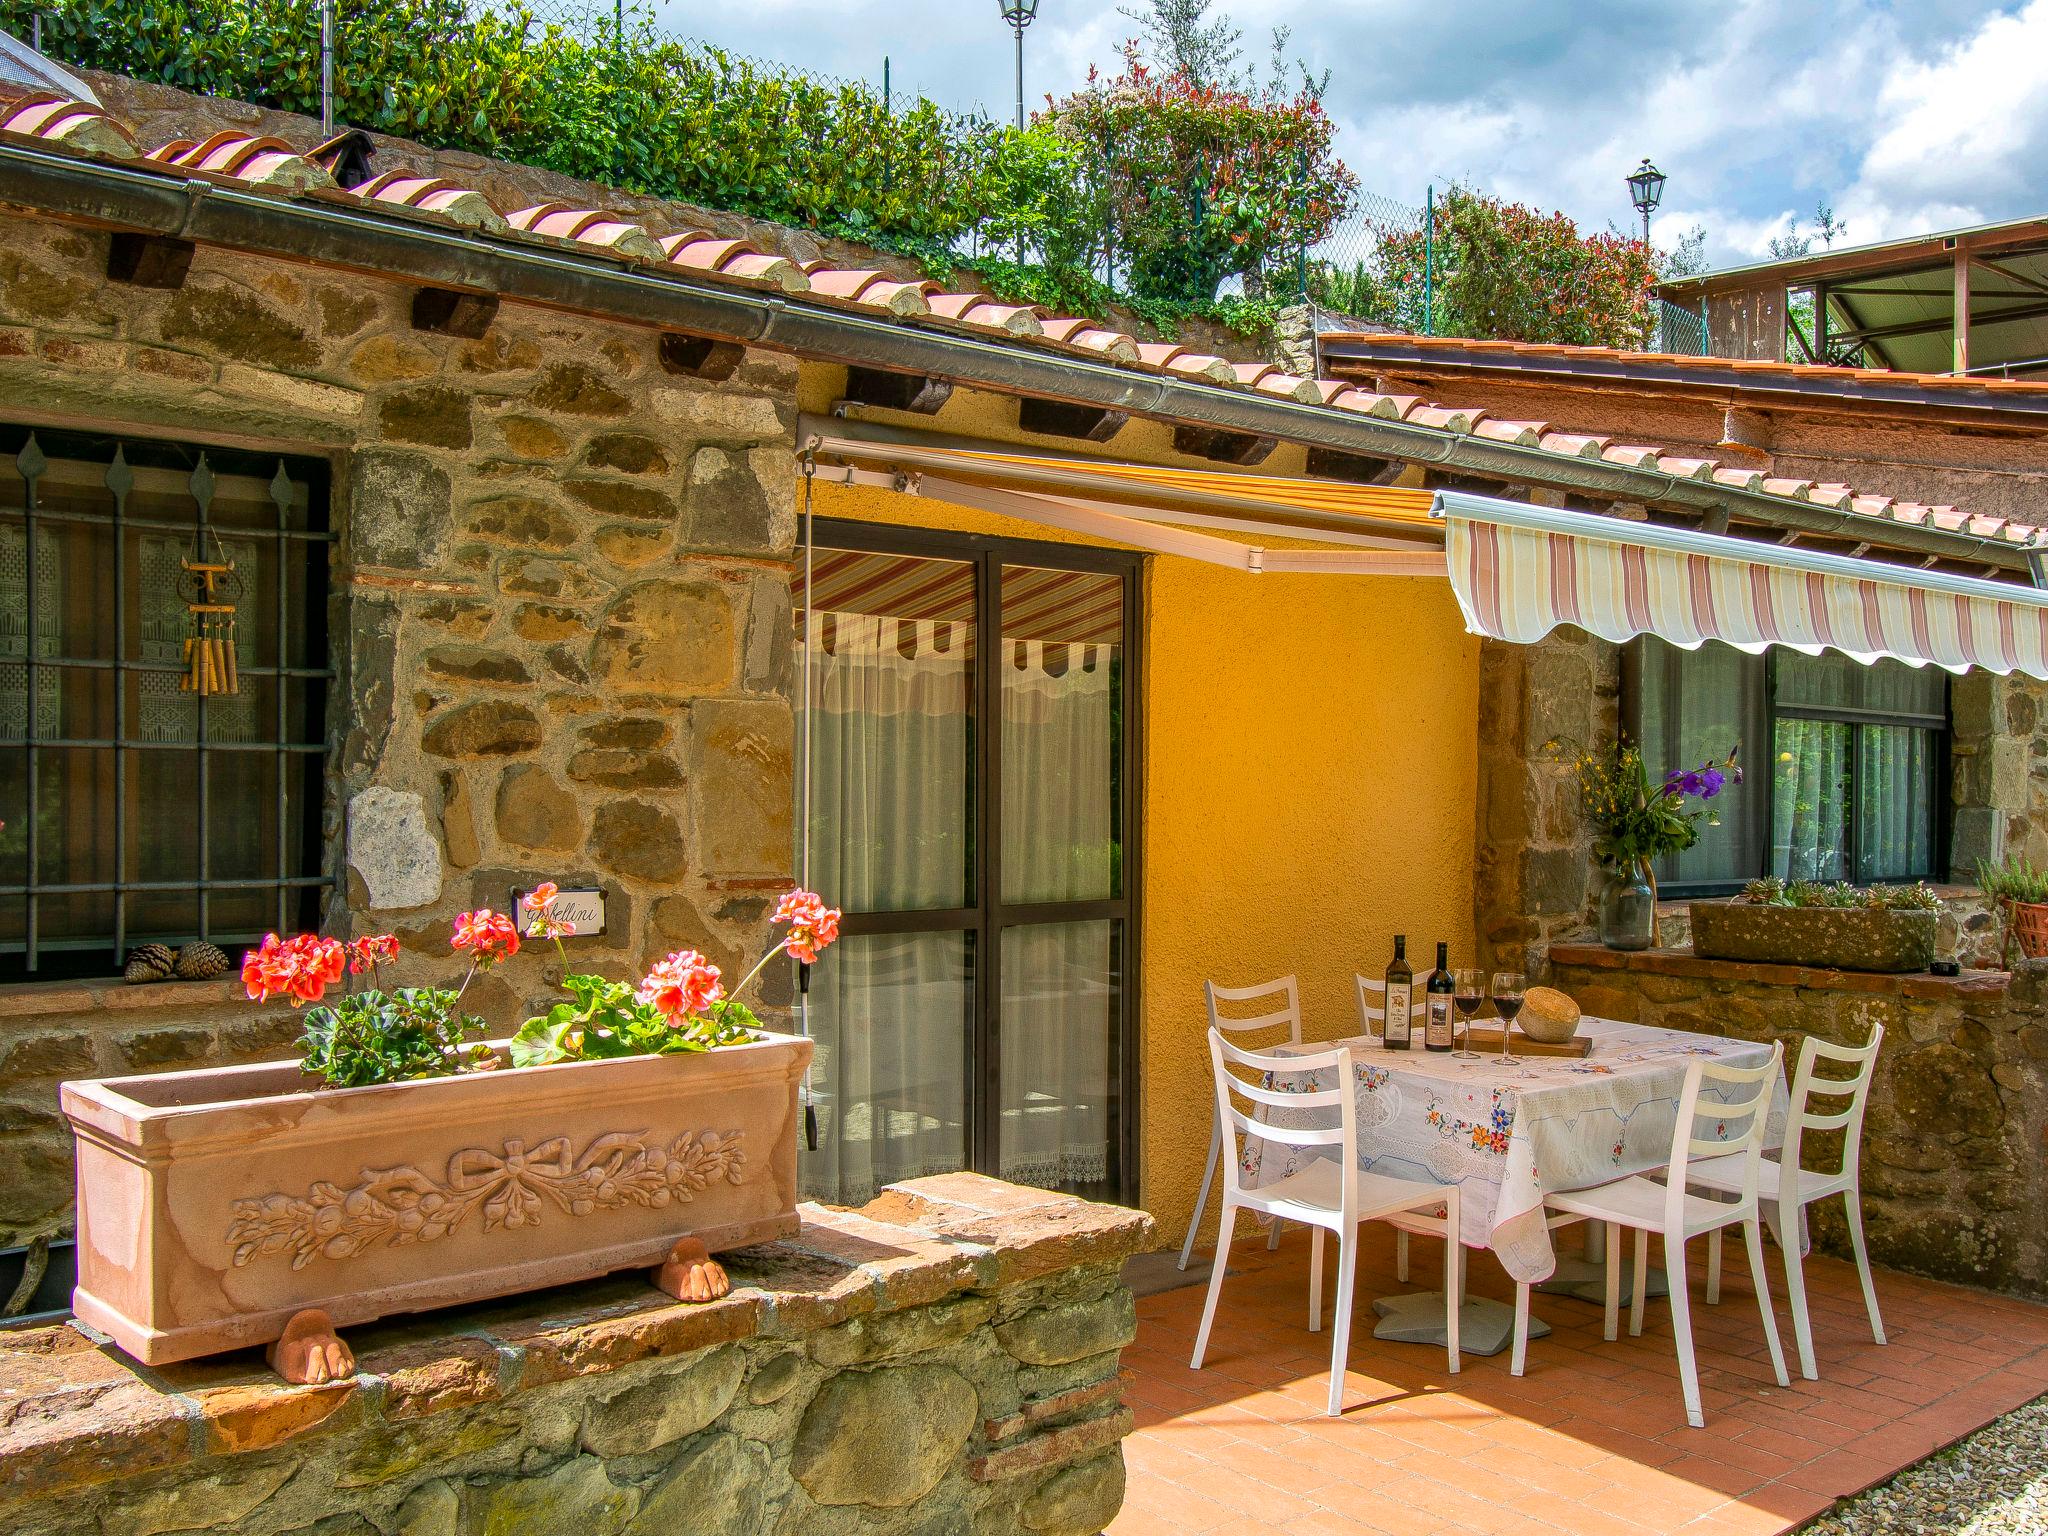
(985, 314)
(1290, 386)
(244, 158)
(1112, 344)
(431, 194)
(868, 287)
(253, 161)
(701, 252)
(1526, 434)
(77, 125)
(587, 226)
(1444, 418)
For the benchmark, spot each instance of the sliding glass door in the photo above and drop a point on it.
(972, 801)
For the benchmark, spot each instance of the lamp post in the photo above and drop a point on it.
(1019, 14)
(1646, 191)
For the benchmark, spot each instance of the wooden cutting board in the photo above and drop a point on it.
(1485, 1038)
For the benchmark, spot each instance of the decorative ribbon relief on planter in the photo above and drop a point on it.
(404, 1205)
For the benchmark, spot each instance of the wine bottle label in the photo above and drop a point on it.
(1400, 1002)
(1437, 1033)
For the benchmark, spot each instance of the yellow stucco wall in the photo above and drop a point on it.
(1309, 786)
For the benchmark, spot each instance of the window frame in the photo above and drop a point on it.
(1759, 808)
(299, 886)
(990, 914)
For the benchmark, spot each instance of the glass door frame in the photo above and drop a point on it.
(991, 915)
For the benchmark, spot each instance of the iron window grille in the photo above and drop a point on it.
(135, 810)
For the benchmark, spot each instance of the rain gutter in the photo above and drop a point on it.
(321, 230)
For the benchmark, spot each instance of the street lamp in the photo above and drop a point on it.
(1646, 191)
(1020, 14)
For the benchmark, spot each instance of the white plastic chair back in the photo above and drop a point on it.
(1260, 1067)
(1287, 1015)
(1747, 1109)
(1807, 1086)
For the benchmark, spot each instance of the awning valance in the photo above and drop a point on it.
(1520, 571)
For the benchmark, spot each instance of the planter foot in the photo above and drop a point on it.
(691, 1274)
(310, 1352)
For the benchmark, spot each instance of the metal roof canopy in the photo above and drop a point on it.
(1899, 300)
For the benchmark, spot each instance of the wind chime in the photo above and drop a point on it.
(211, 587)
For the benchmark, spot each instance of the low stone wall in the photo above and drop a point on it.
(943, 1361)
(1953, 1179)
(53, 1031)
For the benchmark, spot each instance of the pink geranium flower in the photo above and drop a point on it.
(682, 986)
(488, 936)
(812, 924)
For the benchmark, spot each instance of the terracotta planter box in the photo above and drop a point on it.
(214, 1204)
(1834, 938)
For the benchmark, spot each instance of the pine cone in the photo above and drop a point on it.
(200, 962)
(150, 962)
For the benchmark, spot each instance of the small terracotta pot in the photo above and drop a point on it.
(215, 1204)
(2029, 927)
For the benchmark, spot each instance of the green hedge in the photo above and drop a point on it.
(648, 114)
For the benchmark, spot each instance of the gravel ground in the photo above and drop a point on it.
(1992, 1483)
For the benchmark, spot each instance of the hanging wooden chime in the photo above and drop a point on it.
(210, 648)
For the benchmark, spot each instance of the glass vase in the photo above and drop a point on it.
(1628, 909)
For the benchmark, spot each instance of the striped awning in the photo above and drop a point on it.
(1520, 571)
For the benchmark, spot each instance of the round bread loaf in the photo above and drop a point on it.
(1548, 1016)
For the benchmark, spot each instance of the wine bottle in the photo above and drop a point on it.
(1436, 1032)
(1400, 998)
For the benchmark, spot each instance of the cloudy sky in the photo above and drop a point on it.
(1904, 115)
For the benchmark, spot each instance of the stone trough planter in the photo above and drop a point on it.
(1833, 938)
(215, 1204)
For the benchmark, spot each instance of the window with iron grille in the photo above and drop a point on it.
(162, 741)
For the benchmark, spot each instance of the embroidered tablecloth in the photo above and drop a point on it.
(1508, 1132)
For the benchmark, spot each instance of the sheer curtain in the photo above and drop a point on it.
(1810, 806)
(1058, 979)
(891, 719)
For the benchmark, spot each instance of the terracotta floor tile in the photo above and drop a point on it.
(1592, 1442)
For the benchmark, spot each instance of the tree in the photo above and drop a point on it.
(1206, 181)
(1685, 259)
(1177, 37)
(1827, 229)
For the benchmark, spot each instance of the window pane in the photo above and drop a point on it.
(1059, 1078)
(1696, 707)
(1894, 688)
(1810, 800)
(1894, 803)
(891, 1015)
(1062, 669)
(892, 691)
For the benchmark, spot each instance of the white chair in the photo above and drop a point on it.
(1786, 1189)
(1289, 1015)
(1329, 1194)
(1678, 1215)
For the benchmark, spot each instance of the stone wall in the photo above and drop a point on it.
(1540, 707)
(1954, 1184)
(561, 625)
(945, 1361)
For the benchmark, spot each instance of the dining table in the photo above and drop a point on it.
(1509, 1129)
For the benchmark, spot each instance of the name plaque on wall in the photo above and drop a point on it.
(582, 909)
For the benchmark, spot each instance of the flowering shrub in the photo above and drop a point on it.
(680, 1005)
(1503, 272)
(1634, 823)
(1207, 181)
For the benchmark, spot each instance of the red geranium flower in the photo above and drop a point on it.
(371, 950)
(682, 986)
(540, 902)
(300, 968)
(488, 936)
